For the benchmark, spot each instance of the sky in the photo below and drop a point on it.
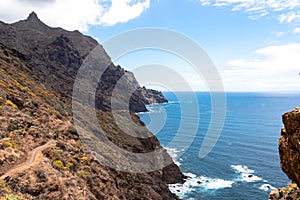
(254, 44)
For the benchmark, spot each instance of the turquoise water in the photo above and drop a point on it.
(244, 164)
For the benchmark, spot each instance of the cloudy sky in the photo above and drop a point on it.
(255, 44)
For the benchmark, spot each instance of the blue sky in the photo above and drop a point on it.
(253, 43)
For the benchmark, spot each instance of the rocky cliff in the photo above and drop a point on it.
(55, 55)
(42, 155)
(289, 151)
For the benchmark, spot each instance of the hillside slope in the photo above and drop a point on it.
(42, 155)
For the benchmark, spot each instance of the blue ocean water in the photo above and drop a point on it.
(244, 163)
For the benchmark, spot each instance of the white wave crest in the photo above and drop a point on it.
(246, 174)
(267, 187)
(242, 169)
(193, 182)
(174, 154)
(250, 178)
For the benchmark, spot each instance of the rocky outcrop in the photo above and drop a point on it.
(292, 192)
(289, 151)
(289, 146)
(150, 96)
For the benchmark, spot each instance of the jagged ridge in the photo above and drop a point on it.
(55, 55)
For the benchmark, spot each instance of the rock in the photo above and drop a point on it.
(289, 146)
(292, 192)
(150, 96)
(289, 151)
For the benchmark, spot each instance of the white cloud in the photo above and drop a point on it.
(275, 68)
(289, 17)
(297, 30)
(288, 10)
(281, 33)
(122, 11)
(74, 14)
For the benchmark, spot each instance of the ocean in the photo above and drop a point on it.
(244, 163)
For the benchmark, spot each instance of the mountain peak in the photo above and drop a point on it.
(33, 16)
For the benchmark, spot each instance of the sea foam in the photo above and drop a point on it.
(246, 174)
(194, 182)
(174, 155)
(267, 187)
(242, 169)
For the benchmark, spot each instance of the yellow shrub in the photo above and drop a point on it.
(4, 187)
(2, 84)
(68, 165)
(40, 119)
(83, 173)
(57, 114)
(59, 164)
(8, 144)
(9, 102)
(23, 89)
(12, 197)
(84, 159)
(44, 93)
(26, 90)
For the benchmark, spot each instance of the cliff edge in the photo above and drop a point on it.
(289, 151)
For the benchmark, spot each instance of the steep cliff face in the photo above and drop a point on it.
(289, 151)
(42, 155)
(289, 146)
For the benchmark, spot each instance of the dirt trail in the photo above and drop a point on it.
(32, 159)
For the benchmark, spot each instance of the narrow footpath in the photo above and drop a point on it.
(33, 158)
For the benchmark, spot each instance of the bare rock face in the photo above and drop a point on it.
(289, 151)
(289, 146)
